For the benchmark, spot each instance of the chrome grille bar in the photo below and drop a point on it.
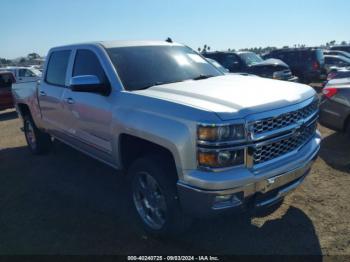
(278, 148)
(282, 121)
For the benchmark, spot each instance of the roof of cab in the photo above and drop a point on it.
(111, 44)
(114, 44)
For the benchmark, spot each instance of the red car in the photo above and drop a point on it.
(6, 80)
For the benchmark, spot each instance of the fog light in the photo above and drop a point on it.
(226, 201)
(222, 198)
(236, 201)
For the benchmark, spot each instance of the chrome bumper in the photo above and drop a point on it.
(260, 192)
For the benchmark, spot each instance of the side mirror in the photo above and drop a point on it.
(89, 84)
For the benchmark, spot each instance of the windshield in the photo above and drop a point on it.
(251, 58)
(141, 67)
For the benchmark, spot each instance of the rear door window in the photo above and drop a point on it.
(57, 68)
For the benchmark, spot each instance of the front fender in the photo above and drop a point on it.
(172, 134)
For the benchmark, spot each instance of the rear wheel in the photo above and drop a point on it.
(38, 141)
(154, 194)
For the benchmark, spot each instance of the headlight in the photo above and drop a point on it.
(221, 159)
(221, 133)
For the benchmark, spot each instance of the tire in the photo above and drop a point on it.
(38, 141)
(159, 176)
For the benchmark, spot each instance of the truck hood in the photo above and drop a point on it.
(232, 96)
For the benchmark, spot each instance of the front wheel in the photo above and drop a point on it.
(154, 194)
(38, 141)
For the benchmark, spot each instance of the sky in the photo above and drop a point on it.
(37, 25)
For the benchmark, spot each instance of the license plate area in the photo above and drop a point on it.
(272, 183)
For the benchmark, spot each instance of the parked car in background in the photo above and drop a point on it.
(340, 73)
(305, 63)
(345, 48)
(218, 66)
(6, 81)
(335, 105)
(194, 142)
(251, 63)
(336, 52)
(38, 67)
(225, 70)
(336, 62)
(24, 74)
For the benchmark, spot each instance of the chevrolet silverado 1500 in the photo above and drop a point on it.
(193, 141)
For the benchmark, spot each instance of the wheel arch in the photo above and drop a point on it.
(133, 147)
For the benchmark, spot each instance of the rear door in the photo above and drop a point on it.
(52, 89)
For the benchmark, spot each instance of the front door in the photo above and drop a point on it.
(91, 113)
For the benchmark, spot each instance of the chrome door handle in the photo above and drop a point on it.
(69, 100)
(42, 93)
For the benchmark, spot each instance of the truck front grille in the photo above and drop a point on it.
(283, 120)
(269, 151)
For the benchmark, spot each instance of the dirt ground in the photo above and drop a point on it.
(68, 203)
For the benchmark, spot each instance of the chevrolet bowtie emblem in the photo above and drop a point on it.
(300, 129)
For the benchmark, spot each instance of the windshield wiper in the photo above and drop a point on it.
(201, 76)
(158, 84)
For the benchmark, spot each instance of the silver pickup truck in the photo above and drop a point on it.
(193, 141)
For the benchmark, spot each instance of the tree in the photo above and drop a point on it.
(259, 50)
(22, 60)
(33, 56)
(343, 43)
(331, 43)
(4, 61)
(204, 49)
